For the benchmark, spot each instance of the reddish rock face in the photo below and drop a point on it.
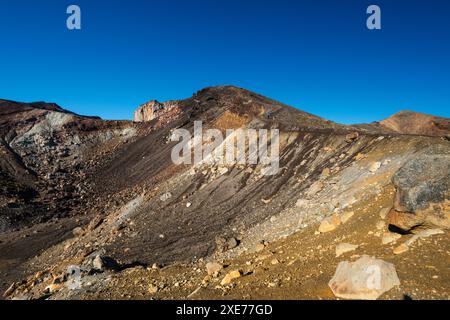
(408, 122)
(404, 220)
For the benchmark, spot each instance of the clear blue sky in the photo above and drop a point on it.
(316, 55)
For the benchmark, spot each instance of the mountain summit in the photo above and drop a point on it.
(217, 101)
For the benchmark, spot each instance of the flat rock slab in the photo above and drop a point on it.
(344, 248)
(365, 279)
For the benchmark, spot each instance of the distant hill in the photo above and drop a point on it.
(409, 122)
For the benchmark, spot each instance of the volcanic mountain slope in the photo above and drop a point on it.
(45, 153)
(142, 210)
(46, 156)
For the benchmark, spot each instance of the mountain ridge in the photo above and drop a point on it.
(402, 122)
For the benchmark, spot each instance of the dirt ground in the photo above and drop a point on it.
(296, 268)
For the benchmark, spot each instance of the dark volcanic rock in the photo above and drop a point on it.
(423, 190)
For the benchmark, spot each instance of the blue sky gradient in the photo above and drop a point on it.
(316, 55)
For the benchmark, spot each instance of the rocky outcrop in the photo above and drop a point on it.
(152, 110)
(147, 111)
(423, 191)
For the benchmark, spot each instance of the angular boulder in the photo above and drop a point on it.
(423, 191)
(365, 279)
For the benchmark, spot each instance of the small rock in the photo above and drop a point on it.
(390, 237)
(223, 171)
(411, 240)
(205, 280)
(347, 216)
(265, 201)
(21, 298)
(381, 225)
(275, 261)
(351, 137)
(232, 243)
(326, 173)
(401, 249)
(105, 263)
(166, 196)
(344, 248)
(225, 244)
(78, 232)
(301, 203)
(330, 224)
(10, 290)
(155, 266)
(213, 268)
(375, 167)
(259, 247)
(315, 188)
(429, 232)
(384, 212)
(230, 277)
(52, 288)
(153, 289)
(97, 263)
(188, 205)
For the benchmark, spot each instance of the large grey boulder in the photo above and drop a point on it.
(423, 196)
(365, 279)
